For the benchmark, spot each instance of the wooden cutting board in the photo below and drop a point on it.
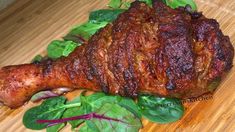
(27, 26)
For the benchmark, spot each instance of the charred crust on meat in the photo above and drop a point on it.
(105, 88)
(88, 73)
(170, 83)
(130, 88)
(196, 15)
(70, 71)
(163, 41)
(121, 53)
(95, 55)
(216, 44)
(47, 67)
(193, 14)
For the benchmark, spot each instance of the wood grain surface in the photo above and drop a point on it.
(27, 26)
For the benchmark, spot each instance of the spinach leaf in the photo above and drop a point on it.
(110, 117)
(49, 109)
(89, 126)
(95, 101)
(74, 111)
(126, 4)
(177, 3)
(130, 105)
(59, 48)
(52, 108)
(87, 30)
(37, 58)
(115, 4)
(106, 15)
(125, 120)
(161, 110)
(69, 47)
(55, 128)
(75, 38)
(97, 111)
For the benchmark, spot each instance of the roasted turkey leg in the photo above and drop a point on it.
(156, 50)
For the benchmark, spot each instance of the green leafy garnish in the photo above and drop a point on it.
(160, 110)
(95, 101)
(125, 120)
(130, 105)
(181, 3)
(126, 4)
(56, 128)
(115, 4)
(88, 29)
(110, 117)
(105, 15)
(37, 58)
(50, 109)
(74, 111)
(59, 48)
(54, 112)
(121, 112)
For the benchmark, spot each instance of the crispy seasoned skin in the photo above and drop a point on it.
(156, 50)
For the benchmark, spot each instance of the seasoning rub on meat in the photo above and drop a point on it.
(158, 50)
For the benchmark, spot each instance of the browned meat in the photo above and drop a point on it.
(156, 50)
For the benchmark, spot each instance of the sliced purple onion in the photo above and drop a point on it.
(43, 95)
(48, 94)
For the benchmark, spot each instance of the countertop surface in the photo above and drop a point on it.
(27, 27)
